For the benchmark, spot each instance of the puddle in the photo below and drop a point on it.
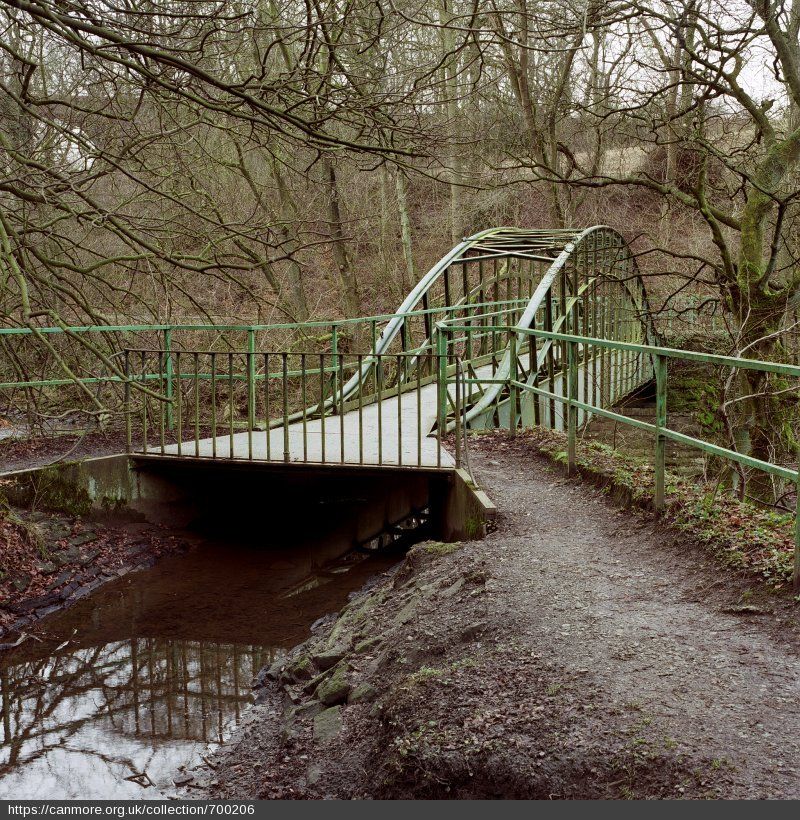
(136, 680)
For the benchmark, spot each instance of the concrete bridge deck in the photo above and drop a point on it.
(405, 439)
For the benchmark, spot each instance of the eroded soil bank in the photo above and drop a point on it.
(49, 561)
(578, 651)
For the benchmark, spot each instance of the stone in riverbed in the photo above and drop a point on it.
(328, 724)
(309, 709)
(298, 670)
(335, 689)
(329, 657)
(272, 672)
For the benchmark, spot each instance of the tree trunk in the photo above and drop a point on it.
(348, 281)
(409, 277)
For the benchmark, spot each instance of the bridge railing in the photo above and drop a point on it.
(531, 378)
(82, 366)
(288, 406)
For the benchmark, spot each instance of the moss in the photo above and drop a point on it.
(112, 504)
(695, 388)
(423, 674)
(334, 689)
(440, 549)
(300, 669)
(352, 619)
(47, 488)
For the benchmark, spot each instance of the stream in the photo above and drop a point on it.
(114, 695)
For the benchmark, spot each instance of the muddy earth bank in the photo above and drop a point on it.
(418, 689)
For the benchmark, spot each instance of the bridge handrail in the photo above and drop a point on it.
(333, 324)
(669, 352)
(660, 355)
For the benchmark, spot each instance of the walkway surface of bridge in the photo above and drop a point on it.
(390, 433)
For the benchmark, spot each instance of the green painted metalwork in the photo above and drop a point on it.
(661, 424)
(358, 429)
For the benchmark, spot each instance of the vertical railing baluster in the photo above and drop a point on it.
(161, 391)
(304, 402)
(439, 425)
(127, 405)
(267, 425)
(398, 365)
(572, 409)
(360, 364)
(231, 443)
(468, 344)
(796, 568)
(322, 404)
(213, 405)
(168, 352)
(197, 404)
(551, 367)
(178, 392)
(419, 411)
(458, 430)
(661, 423)
(334, 354)
(426, 316)
(251, 395)
(379, 397)
(405, 344)
(512, 387)
(251, 384)
(285, 378)
(594, 335)
(482, 300)
(533, 364)
(145, 401)
(441, 393)
(340, 369)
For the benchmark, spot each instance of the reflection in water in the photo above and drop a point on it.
(78, 723)
(135, 680)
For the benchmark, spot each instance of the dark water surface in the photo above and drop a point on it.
(137, 679)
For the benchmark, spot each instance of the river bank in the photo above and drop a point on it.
(579, 651)
(50, 561)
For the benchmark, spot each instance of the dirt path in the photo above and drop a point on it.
(644, 618)
(578, 651)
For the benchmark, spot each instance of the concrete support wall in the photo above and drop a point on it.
(346, 505)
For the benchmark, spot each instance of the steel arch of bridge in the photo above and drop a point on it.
(466, 344)
(564, 280)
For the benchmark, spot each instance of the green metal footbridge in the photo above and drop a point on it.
(513, 327)
(477, 343)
